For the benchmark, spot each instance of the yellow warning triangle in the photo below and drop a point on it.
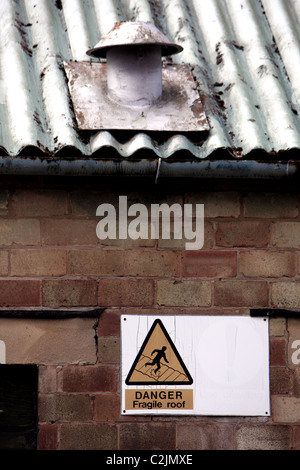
(158, 361)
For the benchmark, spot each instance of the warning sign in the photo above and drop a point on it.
(158, 361)
(195, 365)
(159, 399)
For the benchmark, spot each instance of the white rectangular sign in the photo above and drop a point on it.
(195, 365)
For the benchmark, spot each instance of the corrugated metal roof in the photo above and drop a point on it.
(244, 56)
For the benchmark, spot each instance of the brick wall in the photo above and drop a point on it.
(51, 258)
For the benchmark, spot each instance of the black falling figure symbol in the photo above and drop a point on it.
(159, 356)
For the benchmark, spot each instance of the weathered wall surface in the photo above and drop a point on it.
(51, 258)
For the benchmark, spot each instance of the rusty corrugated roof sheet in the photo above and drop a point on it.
(244, 56)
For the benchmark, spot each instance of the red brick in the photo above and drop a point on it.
(180, 243)
(96, 262)
(38, 262)
(185, 293)
(260, 437)
(128, 242)
(47, 437)
(85, 203)
(296, 437)
(285, 294)
(123, 292)
(68, 232)
(277, 326)
(285, 409)
(209, 235)
(280, 380)
(4, 199)
(38, 203)
(19, 293)
(209, 263)
(47, 379)
(236, 293)
(217, 436)
(109, 349)
(68, 293)
(63, 407)
(243, 234)
(216, 204)
(286, 234)
(156, 436)
(261, 263)
(298, 262)
(49, 341)
(90, 379)
(296, 382)
(277, 352)
(152, 263)
(271, 205)
(293, 331)
(85, 436)
(109, 323)
(107, 407)
(20, 232)
(3, 263)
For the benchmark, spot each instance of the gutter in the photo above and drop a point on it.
(150, 168)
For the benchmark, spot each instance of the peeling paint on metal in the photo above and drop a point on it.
(127, 33)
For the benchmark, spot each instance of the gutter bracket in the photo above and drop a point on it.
(157, 171)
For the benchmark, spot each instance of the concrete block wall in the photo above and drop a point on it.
(51, 258)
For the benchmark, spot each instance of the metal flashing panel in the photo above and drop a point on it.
(179, 108)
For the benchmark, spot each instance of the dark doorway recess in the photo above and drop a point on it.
(18, 407)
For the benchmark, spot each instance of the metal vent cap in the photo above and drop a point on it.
(130, 33)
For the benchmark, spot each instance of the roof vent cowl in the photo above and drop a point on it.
(133, 52)
(134, 90)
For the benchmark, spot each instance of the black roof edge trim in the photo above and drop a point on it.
(51, 314)
(275, 312)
